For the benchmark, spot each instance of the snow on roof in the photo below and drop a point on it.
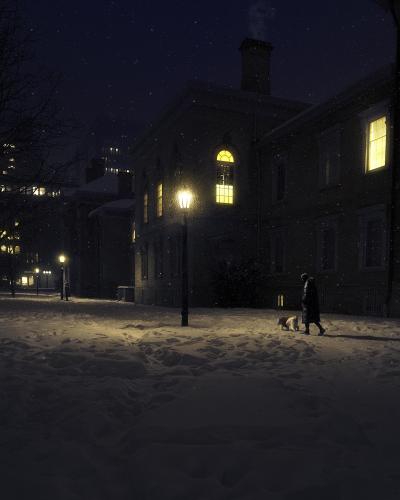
(114, 206)
(108, 183)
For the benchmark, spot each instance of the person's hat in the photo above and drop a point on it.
(304, 276)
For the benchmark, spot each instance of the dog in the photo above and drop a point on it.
(289, 323)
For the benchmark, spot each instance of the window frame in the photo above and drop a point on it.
(279, 159)
(231, 167)
(323, 225)
(159, 199)
(367, 215)
(328, 137)
(146, 206)
(144, 259)
(274, 234)
(368, 116)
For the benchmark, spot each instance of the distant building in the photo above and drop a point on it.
(98, 219)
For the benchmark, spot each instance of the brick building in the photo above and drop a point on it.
(326, 184)
(207, 141)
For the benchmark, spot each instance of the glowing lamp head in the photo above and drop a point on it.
(185, 198)
(62, 259)
(37, 270)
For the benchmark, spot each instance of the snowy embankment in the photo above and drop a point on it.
(102, 400)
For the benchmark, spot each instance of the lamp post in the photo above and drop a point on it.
(185, 197)
(37, 271)
(62, 260)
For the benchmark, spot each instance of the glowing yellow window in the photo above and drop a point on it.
(376, 154)
(159, 200)
(24, 280)
(145, 208)
(281, 300)
(225, 156)
(224, 184)
(224, 194)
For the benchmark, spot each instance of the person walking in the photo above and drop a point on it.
(310, 305)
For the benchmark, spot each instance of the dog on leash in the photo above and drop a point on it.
(289, 323)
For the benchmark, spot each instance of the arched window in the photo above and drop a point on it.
(224, 185)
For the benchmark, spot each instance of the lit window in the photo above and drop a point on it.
(225, 156)
(133, 232)
(224, 185)
(224, 194)
(3, 248)
(24, 280)
(281, 300)
(376, 153)
(159, 199)
(146, 208)
(42, 191)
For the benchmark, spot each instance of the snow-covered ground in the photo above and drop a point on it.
(103, 400)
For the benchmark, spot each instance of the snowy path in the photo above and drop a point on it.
(103, 400)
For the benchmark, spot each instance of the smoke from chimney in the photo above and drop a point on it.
(259, 14)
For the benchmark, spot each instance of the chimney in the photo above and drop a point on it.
(256, 58)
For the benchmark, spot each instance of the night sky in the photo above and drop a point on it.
(129, 58)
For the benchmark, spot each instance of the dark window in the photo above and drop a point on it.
(328, 248)
(329, 158)
(278, 253)
(158, 260)
(145, 262)
(374, 243)
(280, 181)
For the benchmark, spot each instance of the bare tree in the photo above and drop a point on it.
(32, 131)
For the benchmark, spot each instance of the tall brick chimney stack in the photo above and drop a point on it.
(256, 59)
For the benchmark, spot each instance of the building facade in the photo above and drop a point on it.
(326, 183)
(206, 141)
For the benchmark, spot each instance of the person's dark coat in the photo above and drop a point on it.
(310, 302)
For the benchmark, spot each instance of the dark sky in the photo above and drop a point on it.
(129, 58)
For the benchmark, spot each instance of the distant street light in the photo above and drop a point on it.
(185, 197)
(62, 259)
(37, 272)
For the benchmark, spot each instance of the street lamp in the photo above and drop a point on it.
(62, 260)
(185, 197)
(37, 271)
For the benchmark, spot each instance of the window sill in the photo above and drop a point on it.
(376, 170)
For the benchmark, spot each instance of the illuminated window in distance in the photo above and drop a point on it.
(376, 154)
(224, 194)
(224, 184)
(159, 199)
(225, 156)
